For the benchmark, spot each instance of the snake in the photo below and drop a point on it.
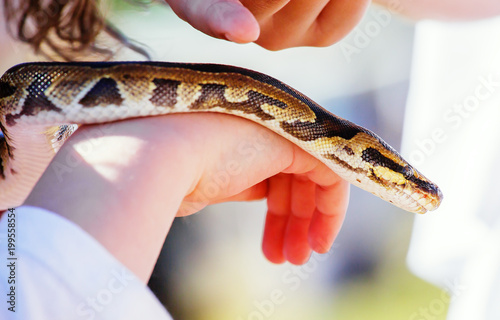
(43, 103)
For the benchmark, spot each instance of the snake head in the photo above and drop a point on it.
(422, 194)
(381, 170)
(410, 190)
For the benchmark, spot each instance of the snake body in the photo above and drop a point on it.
(41, 104)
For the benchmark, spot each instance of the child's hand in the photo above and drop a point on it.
(128, 183)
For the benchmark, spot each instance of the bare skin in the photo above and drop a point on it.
(143, 173)
(275, 24)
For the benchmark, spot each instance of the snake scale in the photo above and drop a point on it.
(42, 103)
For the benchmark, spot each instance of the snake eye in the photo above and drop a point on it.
(407, 172)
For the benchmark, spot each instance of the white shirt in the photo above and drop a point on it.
(61, 272)
(452, 134)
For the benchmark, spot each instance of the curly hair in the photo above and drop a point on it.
(62, 29)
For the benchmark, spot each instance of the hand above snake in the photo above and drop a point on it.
(275, 24)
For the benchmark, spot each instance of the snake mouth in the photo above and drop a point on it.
(425, 193)
(425, 200)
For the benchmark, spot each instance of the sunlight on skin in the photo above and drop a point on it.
(163, 167)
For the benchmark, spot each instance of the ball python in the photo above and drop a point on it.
(43, 103)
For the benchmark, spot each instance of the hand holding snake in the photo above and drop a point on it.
(112, 192)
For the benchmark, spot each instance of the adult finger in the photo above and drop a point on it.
(263, 9)
(226, 19)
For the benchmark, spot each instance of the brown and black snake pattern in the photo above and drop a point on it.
(43, 102)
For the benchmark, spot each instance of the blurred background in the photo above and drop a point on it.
(212, 266)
